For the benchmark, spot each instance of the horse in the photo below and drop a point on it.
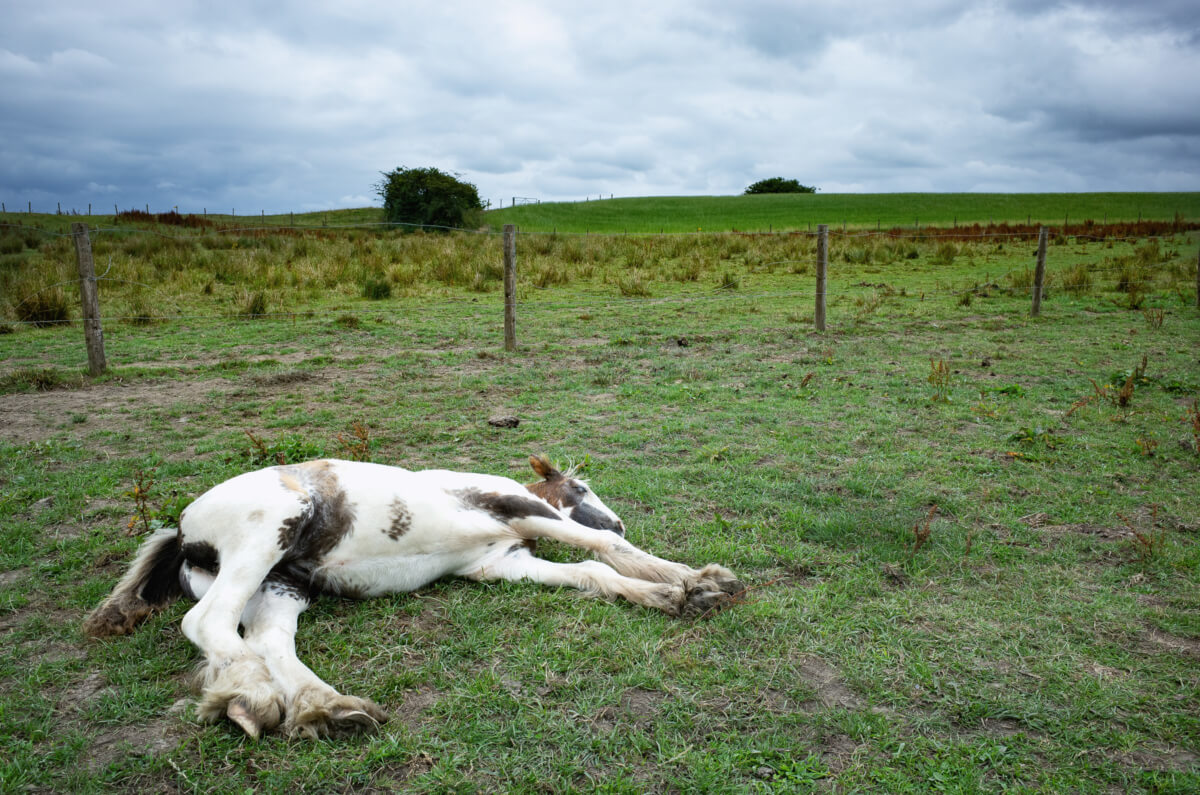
(256, 550)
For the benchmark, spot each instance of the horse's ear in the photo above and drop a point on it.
(542, 466)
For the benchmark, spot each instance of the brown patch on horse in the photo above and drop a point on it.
(401, 519)
(326, 516)
(506, 507)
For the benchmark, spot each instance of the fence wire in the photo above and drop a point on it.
(594, 303)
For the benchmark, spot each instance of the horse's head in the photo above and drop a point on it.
(573, 497)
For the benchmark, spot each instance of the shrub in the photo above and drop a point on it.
(778, 185)
(428, 197)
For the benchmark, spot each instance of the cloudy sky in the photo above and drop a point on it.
(299, 106)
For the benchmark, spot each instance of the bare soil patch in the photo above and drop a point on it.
(827, 681)
(1158, 640)
(35, 416)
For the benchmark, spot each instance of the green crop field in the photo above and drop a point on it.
(969, 535)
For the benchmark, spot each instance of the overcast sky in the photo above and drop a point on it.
(271, 106)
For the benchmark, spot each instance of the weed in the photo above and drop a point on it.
(357, 445)
(984, 408)
(945, 254)
(869, 304)
(1154, 317)
(1031, 437)
(289, 449)
(1012, 390)
(939, 378)
(1146, 446)
(1147, 545)
(348, 321)
(141, 493)
(921, 531)
(1192, 417)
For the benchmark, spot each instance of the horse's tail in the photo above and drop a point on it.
(151, 584)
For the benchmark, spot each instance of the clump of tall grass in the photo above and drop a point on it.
(633, 284)
(1076, 279)
(48, 306)
(945, 253)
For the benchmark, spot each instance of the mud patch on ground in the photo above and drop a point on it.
(1165, 760)
(413, 711)
(831, 691)
(637, 707)
(7, 578)
(837, 752)
(35, 416)
(1157, 640)
(152, 739)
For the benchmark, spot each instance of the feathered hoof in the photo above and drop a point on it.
(315, 713)
(670, 599)
(243, 692)
(718, 578)
(702, 602)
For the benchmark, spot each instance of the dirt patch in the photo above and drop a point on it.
(837, 751)
(35, 416)
(7, 578)
(637, 706)
(1166, 760)
(827, 682)
(416, 704)
(1158, 640)
(153, 739)
(1103, 532)
(80, 694)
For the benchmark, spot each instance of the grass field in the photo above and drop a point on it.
(858, 211)
(778, 212)
(970, 535)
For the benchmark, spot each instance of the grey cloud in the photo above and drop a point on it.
(239, 105)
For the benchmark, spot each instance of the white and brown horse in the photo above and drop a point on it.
(256, 549)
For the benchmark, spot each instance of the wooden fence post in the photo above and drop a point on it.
(1198, 282)
(510, 287)
(1039, 273)
(822, 267)
(90, 298)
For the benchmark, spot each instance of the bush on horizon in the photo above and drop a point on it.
(429, 197)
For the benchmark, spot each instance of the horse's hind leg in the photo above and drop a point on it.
(243, 530)
(312, 708)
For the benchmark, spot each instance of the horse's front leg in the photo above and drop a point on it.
(590, 576)
(709, 587)
(311, 707)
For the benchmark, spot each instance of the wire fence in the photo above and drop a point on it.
(1012, 282)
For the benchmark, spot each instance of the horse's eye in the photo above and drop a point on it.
(580, 489)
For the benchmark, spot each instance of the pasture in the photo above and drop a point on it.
(970, 535)
(856, 211)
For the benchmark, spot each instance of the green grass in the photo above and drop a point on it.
(1028, 645)
(806, 211)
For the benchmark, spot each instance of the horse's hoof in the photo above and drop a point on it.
(239, 713)
(701, 603)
